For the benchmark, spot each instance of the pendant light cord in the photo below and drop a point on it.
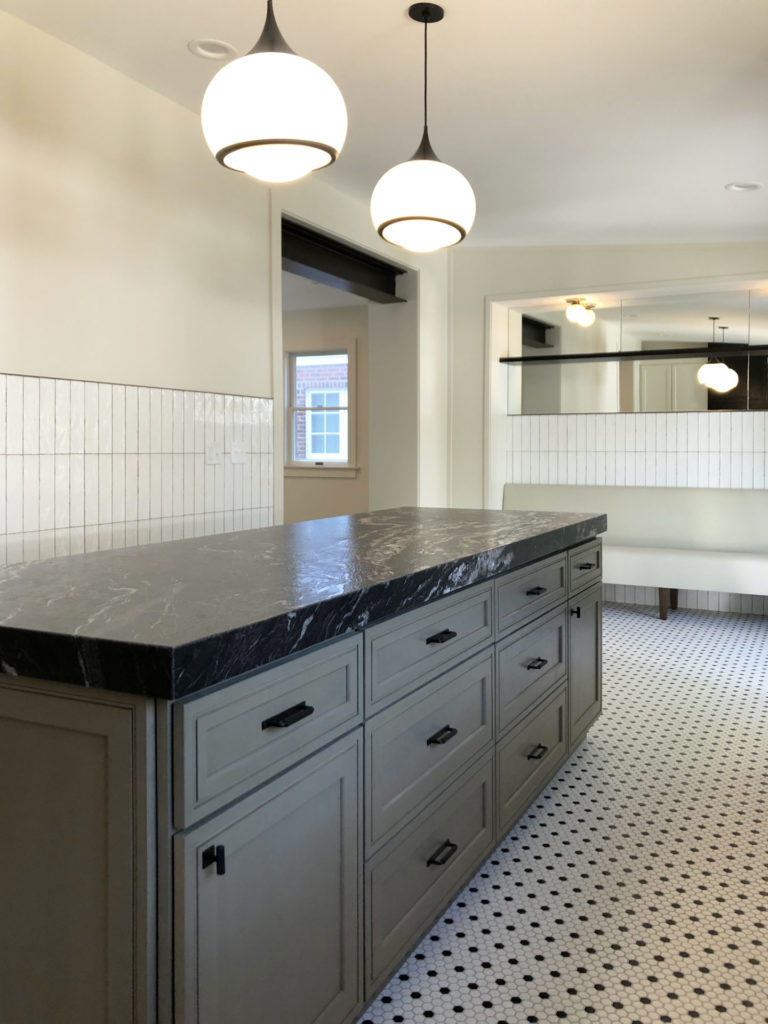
(425, 73)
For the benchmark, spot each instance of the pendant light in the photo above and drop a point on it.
(423, 204)
(580, 312)
(714, 374)
(272, 114)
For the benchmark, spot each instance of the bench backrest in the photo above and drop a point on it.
(708, 518)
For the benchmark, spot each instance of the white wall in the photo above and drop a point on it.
(479, 275)
(315, 494)
(126, 253)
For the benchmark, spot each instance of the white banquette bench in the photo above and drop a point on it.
(669, 538)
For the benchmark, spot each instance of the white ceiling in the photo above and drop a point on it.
(597, 122)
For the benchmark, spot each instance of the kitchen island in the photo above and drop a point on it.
(244, 773)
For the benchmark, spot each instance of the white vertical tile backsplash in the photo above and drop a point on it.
(724, 449)
(86, 466)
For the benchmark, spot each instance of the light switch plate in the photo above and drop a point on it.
(212, 455)
(239, 455)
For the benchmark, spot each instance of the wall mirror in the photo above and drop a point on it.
(635, 356)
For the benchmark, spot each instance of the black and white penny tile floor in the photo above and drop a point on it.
(635, 889)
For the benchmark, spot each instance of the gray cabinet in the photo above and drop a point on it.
(268, 900)
(417, 873)
(585, 669)
(230, 741)
(76, 850)
(414, 748)
(529, 755)
(203, 862)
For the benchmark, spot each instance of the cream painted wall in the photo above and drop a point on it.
(126, 253)
(320, 330)
(479, 275)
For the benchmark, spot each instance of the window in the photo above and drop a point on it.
(320, 425)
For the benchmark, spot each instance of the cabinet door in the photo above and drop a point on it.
(586, 641)
(74, 906)
(268, 901)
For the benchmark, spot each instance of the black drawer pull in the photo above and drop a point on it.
(537, 663)
(443, 854)
(538, 752)
(442, 736)
(215, 855)
(442, 636)
(536, 592)
(290, 717)
(576, 611)
(587, 565)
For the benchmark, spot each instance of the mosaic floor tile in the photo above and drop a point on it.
(635, 889)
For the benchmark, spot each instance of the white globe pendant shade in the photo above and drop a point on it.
(272, 114)
(423, 205)
(578, 313)
(717, 377)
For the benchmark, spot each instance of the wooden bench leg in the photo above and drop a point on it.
(673, 599)
(663, 602)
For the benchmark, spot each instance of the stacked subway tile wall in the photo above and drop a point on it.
(88, 466)
(722, 449)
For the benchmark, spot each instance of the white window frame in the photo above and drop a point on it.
(321, 467)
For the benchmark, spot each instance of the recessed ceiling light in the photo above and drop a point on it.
(212, 49)
(743, 186)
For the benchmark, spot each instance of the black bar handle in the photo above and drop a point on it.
(215, 855)
(443, 854)
(576, 611)
(442, 736)
(535, 591)
(537, 663)
(538, 752)
(289, 717)
(442, 636)
(587, 565)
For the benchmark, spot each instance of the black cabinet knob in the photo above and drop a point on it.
(537, 663)
(535, 591)
(538, 752)
(215, 855)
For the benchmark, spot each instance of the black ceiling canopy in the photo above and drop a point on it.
(327, 261)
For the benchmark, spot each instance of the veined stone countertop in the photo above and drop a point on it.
(169, 620)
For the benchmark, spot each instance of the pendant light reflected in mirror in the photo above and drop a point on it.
(714, 374)
(272, 114)
(423, 204)
(580, 312)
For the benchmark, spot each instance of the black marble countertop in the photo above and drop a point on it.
(169, 620)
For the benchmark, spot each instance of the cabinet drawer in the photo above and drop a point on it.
(232, 740)
(405, 891)
(408, 650)
(528, 757)
(585, 565)
(528, 664)
(414, 747)
(528, 592)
